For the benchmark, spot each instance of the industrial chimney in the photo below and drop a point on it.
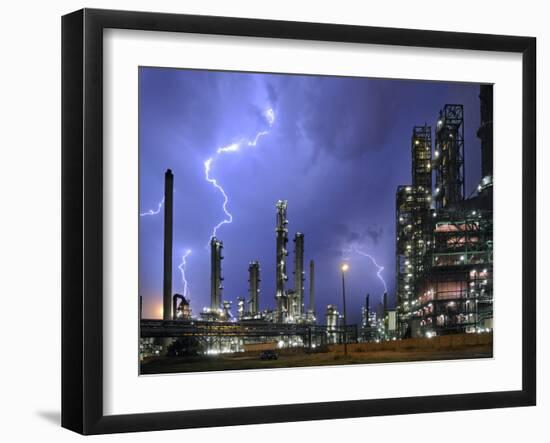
(485, 131)
(216, 278)
(168, 229)
(254, 286)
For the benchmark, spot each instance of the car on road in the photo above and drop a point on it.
(269, 355)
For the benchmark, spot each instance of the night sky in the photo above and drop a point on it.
(336, 150)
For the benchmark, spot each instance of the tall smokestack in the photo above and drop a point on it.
(367, 305)
(254, 286)
(485, 131)
(385, 302)
(216, 278)
(312, 286)
(299, 271)
(168, 227)
(280, 270)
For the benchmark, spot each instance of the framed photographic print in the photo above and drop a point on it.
(269, 221)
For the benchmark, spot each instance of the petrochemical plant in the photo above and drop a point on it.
(290, 303)
(443, 259)
(444, 239)
(290, 324)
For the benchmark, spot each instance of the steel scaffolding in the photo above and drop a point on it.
(449, 157)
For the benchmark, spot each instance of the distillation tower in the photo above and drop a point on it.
(414, 222)
(254, 287)
(216, 279)
(311, 304)
(297, 302)
(281, 277)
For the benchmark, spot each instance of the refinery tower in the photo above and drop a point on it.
(281, 232)
(216, 279)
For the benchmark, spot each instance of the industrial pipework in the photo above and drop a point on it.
(181, 311)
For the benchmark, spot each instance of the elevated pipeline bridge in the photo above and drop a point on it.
(245, 329)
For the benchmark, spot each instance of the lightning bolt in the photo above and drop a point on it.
(181, 267)
(379, 268)
(153, 211)
(269, 115)
(234, 147)
(229, 216)
(183, 262)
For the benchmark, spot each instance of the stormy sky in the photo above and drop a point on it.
(336, 149)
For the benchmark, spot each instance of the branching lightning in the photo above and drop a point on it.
(269, 115)
(153, 211)
(228, 215)
(234, 147)
(379, 268)
(181, 267)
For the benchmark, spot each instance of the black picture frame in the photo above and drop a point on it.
(82, 215)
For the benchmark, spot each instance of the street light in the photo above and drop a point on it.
(344, 268)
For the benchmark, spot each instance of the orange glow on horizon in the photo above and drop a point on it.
(152, 310)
